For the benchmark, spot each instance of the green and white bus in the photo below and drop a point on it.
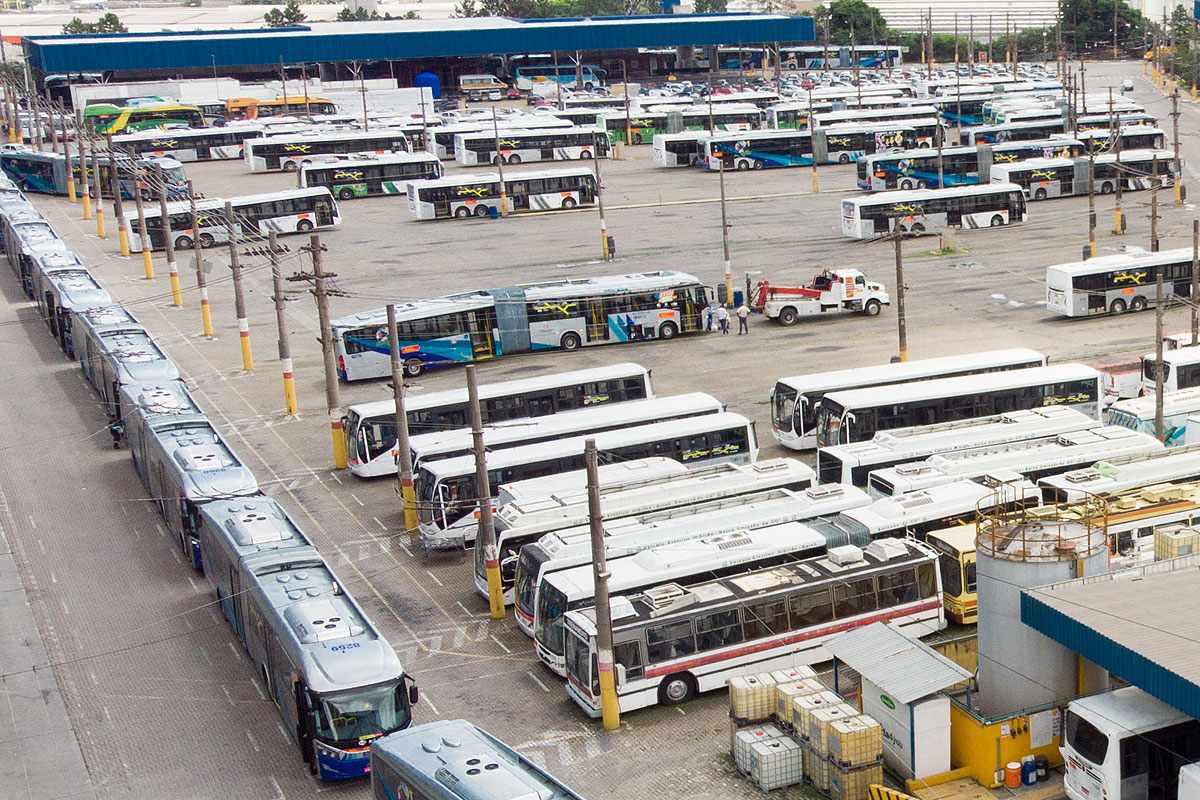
(523, 146)
(371, 177)
(463, 196)
(1044, 178)
(291, 151)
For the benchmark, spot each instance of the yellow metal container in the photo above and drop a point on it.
(752, 697)
(802, 708)
(853, 784)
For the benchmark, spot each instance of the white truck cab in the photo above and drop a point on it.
(838, 291)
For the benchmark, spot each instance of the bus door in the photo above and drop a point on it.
(481, 335)
(597, 321)
(233, 602)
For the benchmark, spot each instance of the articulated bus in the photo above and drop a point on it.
(289, 151)
(116, 355)
(370, 428)
(446, 489)
(462, 196)
(50, 173)
(1172, 465)
(558, 314)
(1138, 414)
(1132, 137)
(520, 525)
(671, 642)
(1031, 458)
(960, 166)
(855, 415)
(931, 210)
(838, 144)
(501, 435)
(853, 463)
(1042, 178)
(524, 146)
(103, 118)
(202, 144)
(1016, 131)
(796, 400)
(371, 177)
(1117, 283)
(414, 764)
(571, 547)
(1180, 368)
(678, 149)
(685, 563)
(287, 211)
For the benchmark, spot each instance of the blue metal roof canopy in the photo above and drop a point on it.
(399, 40)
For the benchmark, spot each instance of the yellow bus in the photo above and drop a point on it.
(253, 107)
(108, 118)
(956, 561)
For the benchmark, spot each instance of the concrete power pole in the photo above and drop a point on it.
(1159, 310)
(610, 711)
(408, 498)
(168, 243)
(1195, 292)
(333, 400)
(198, 263)
(285, 347)
(483, 494)
(901, 330)
(239, 299)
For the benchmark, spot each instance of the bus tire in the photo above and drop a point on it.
(345, 194)
(568, 202)
(304, 226)
(462, 212)
(788, 316)
(206, 240)
(1118, 306)
(570, 341)
(514, 159)
(918, 228)
(481, 211)
(758, 164)
(997, 220)
(742, 164)
(584, 155)
(906, 184)
(843, 159)
(183, 243)
(1040, 194)
(871, 309)
(1106, 188)
(667, 331)
(414, 367)
(290, 166)
(1137, 304)
(676, 689)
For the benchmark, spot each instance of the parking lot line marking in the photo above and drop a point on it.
(32, 522)
(360, 502)
(404, 547)
(503, 646)
(380, 524)
(253, 741)
(434, 578)
(538, 681)
(334, 475)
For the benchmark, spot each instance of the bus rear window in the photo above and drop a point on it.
(1085, 739)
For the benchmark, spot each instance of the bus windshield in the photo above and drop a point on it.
(551, 605)
(1086, 739)
(347, 718)
(783, 405)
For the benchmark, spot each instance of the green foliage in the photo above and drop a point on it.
(109, 23)
(1088, 25)
(538, 9)
(362, 15)
(711, 6)
(844, 18)
(290, 15)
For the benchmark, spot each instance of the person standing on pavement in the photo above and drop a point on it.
(743, 315)
(708, 318)
(723, 318)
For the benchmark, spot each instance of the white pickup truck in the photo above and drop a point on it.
(839, 291)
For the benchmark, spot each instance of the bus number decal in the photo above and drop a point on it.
(297, 148)
(723, 450)
(1045, 174)
(905, 208)
(477, 191)
(1070, 399)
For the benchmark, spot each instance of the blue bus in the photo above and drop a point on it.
(46, 173)
(453, 759)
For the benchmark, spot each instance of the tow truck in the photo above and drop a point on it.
(838, 291)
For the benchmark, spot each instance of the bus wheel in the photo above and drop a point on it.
(183, 243)
(413, 367)
(290, 166)
(345, 194)
(997, 220)
(570, 341)
(514, 159)
(462, 212)
(206, 240)
(1118, 306)
(843, 159)
(584, 155)
(677, 688)
(667, 331)
(1106, 188)
(1137, 304)
(872, 308)
(304, 226)
(758, 164)
(906, 184)
(743, 164)
(918, 228)
(481, 211)
(1040, 194)
(788, 316)
(568, 202)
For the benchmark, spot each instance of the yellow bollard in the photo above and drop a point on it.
(610, 710)
(71, 188)
(176, 289)
(205, 313)
(604, 254)
(1118, 222)
(247, 353)
(289, 387)
(816, 184)
(339, 448)
(1179, 190)
(495, 588)
(100, 218)
(123, 240)
(147, 264)
(87, 206)
(411, 521)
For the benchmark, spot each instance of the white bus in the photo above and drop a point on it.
(200, 144)
(446, 489)
(1032, 458)
(1172, 465)
(1126, 745)
(1045, 178)
(678, 149)
(286, 211)
(521, 524)
(858, 116)
(290, 151)
(567, 314)
(853, 463)
(370, 428)
(671, 642)
(521, 431)
(756, 150)
(1118, 283)
(686, 562)
(853, 416)
(796, 400)
(1181, 370)
(442, 136)
(569, 548)
(478, 195)
(1138, 414)
(918, 211)
(524, 146)
(372, 176)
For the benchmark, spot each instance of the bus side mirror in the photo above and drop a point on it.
(413, 694)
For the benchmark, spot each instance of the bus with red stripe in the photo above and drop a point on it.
(671, 642)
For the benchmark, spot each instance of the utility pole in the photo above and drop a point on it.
(1114, 26)
(483, 494)
(239, 300)
(1154, 184)
(98, 188)
(285, 348)
(83, 173)
(114, 174)
(36, 118)
(558, 81)
(54, 121)
(1159, 311)
(1115, 136)
(901, 329)
(812, 137)
(1194, 296)
(1092, 204)
(929, 29)
(139, 185)
(1175, 135)
(333, 400)
(628, 122)
(610, 711)
(499, 161)
(71, 196)
(938, 137)
(605, 250)
(198, 262)
(725, 237)
(403, 449)
(168, 244)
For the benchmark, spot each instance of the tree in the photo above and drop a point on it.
(711, 6)
(290, 15)
(840, 16)
(109, 23)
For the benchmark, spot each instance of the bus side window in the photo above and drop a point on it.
(629, 655)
